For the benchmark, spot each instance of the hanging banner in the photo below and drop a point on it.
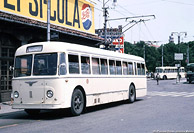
(73, 14)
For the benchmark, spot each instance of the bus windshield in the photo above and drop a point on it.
(23, 65)
(44, 64)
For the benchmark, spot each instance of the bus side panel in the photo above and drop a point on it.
(140, 83)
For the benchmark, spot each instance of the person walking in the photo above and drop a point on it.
(157, 78)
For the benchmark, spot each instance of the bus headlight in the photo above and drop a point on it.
(16, 94)
(49, 93)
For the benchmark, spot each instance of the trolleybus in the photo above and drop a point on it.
(169, 72)
(57, 75)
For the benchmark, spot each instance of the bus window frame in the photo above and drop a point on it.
(90, 64)
(74, 54)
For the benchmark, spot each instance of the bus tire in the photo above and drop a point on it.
(132, 94)
(164, 77)
(77, 102)
(32, 112)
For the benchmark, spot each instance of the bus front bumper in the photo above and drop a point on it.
(37, 106)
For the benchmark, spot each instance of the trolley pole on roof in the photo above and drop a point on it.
(48, 20)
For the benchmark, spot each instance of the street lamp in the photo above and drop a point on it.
(179, 34)
(48, 20)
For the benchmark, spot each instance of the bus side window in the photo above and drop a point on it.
(95, 66)
(138, 68)
(135, 66)
(104, 67)
(130, 68)
(85, 65)
(143, 69)
(62, 65)
(112, 67)
(118, 67)
(124, 68)
(73, 64)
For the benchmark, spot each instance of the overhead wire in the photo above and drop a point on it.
(148, 31)
(176, 2)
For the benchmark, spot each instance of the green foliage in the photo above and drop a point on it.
(153, 55)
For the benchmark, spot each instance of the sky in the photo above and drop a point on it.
(170, 16)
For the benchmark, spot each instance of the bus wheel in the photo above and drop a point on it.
(132, 94)
(77, 102)
(164, 77)
(32, 111)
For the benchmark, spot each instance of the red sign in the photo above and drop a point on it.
(119, 44)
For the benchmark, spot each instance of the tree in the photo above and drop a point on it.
(153, 56)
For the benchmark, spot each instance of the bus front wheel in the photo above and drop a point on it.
(77, 102)
(132, 94)
(164, 77)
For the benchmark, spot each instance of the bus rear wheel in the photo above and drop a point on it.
(132, 94)
(77, 102)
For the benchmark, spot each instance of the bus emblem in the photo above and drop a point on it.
(31, 82)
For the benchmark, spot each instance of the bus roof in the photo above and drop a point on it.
(70, 47)
(167, 67)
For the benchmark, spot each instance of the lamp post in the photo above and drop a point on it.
(48, 20)
(179, 34)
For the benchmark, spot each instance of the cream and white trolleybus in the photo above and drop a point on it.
(56, 75)
(169, 72)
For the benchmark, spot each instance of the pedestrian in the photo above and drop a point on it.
(157, 78)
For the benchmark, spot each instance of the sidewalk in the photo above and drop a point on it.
(6, 107)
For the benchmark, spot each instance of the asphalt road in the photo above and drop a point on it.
(168, 107)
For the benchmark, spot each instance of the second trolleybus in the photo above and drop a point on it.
(56, 75)
(169, 72)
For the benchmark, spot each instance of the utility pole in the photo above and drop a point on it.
(144, 53)
(162, 55)
(48, 20)
(179, 34)
(188, 53)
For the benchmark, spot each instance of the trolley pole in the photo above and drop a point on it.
(48, 20)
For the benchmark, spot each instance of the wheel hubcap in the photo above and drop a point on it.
(77, 103)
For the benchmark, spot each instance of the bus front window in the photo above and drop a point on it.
(23, 65)
(45, 64)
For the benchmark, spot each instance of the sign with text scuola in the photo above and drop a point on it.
(74, 14)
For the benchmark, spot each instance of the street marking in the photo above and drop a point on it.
(8, 126)
(171, 94)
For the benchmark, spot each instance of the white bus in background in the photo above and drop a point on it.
(56, 75)
(169, 72)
